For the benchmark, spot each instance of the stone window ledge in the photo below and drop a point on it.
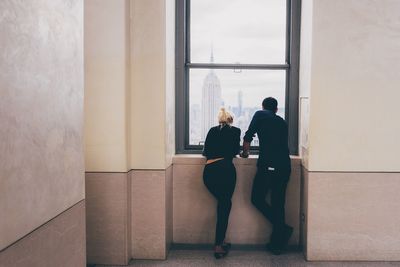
(196, 159)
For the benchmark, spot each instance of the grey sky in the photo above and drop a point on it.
(245, 31)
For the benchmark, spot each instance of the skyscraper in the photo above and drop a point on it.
(211, 101)
(240, 103)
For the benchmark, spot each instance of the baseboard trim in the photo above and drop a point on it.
(242, 247)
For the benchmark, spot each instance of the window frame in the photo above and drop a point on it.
(183, 65)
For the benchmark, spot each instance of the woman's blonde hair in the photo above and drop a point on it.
(224, 117)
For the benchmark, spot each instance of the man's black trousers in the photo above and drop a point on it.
(273, 182)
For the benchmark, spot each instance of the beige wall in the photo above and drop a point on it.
(108, 218)
(353, 216)
(41, 113)
(151, 213)
(130, 93)
(107, 131)
(194, 208)
(59, 242)
(106, 85)
(129, 84)
(350, 61)
(152, 84)
(354, 85)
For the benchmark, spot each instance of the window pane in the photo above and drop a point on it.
(238, 31)
(240, 91)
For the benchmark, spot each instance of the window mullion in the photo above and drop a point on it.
(237, 66)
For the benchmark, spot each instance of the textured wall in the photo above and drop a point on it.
(41, 113)
(106, 85)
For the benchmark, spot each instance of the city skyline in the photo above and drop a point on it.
(218, 34)
(240, 92)
(203, 116)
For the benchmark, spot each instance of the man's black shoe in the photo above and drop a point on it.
(273, 249)
(278, 245)
(286, 236)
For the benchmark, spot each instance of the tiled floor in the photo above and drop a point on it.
(205, 258)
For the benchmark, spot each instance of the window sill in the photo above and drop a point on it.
(196, 159)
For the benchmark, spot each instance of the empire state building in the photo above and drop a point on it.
(211, 101)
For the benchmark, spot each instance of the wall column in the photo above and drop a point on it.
(152, 126)
(129, 128)
(107, 81)
(350, 132)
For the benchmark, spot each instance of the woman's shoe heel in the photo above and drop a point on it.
(219, 255)
(226, 246)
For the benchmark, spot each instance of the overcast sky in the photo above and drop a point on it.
(245, 31)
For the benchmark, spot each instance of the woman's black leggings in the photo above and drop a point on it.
(220, 179)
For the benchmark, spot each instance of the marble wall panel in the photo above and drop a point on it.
(59, 242)
(149, 215)
(107, 218)
(353, 216)
(194, 209)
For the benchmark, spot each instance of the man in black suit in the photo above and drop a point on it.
(273, 170)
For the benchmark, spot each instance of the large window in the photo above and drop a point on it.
(233, 54)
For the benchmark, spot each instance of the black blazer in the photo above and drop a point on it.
(272, 132)
(222, 142)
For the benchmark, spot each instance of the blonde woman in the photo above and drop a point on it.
(221, 146)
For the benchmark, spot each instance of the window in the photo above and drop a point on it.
(233, 54)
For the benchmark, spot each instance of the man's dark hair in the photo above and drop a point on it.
(270, 103)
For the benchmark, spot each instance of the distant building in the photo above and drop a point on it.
(211, 101)
(240, 103)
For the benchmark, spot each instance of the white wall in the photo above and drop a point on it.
(41, 113)
(106, 85)
(355, 83)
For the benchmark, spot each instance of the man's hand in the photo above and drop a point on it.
(246, 149)
(244, 154)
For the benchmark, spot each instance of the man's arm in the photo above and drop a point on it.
(248, 137)
(246, 150)
(236, 147)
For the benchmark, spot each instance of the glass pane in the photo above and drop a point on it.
(240, 91)
(238, 31)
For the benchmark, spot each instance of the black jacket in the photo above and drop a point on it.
(272, 132)
(222, 142)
